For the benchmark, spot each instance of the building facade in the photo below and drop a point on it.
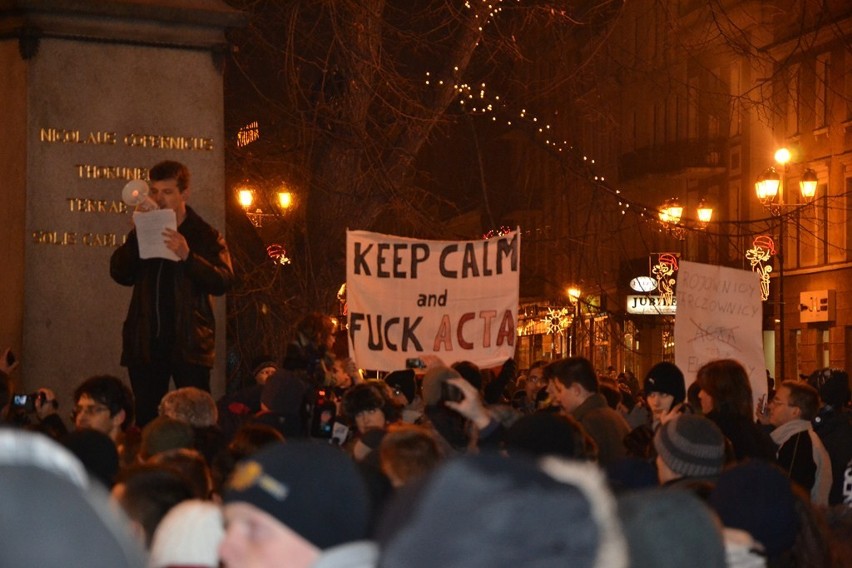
(690, 101)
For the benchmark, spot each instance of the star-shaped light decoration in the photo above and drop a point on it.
(557, 320)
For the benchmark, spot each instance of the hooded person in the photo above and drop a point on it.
(756, 497)
(282, 404)
(302, 501)
(53, 515)
(489, 511)
(833, 425)
(670, 528)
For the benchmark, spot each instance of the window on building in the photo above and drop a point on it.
(736, 106)
(792, 86)
(847, 83)
(821, 84)
(823, 352)
(692, 108)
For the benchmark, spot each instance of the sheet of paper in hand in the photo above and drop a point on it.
(149, 232)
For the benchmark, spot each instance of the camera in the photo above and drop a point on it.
(322, 414)
(415, 363)
(451, 392)
(26, 401)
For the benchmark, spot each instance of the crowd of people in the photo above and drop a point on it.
(310, 464)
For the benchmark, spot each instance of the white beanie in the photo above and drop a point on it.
(189, 534)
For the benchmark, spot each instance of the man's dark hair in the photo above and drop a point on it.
(111, 392)
(150, 491)
(573, 370)
(804, 397)
(370, 395)
(171, 170)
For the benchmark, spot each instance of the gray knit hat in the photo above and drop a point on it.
(692, 446)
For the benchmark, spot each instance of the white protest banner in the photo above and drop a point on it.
(457, 300)
(719, 316)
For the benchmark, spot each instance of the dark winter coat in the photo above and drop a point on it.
(207, 271)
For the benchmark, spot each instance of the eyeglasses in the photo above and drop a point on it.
(776, 402)
(90, 410)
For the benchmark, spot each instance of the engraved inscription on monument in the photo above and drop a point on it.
(89, 172)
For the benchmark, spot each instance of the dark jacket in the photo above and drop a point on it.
(605, 426)
(748, 439)
(834, 428)
(207, 271)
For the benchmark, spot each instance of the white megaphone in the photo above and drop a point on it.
(135, 194)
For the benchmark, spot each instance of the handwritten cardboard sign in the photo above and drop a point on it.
(406, 298)
(719, 316)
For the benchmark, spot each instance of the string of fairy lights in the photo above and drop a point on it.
(476, 100)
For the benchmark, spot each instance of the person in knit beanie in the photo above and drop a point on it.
(664, 389)
(665, 393)
(689, 448)
(188, 536)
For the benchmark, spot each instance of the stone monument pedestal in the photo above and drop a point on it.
(95, 93)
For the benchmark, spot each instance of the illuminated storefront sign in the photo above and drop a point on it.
(651, 305)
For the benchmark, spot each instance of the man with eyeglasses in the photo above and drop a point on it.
(104, 403)
(800, 453)
(533, 396)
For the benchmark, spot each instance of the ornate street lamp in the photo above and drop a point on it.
(770, 188)
(671, 216)
(246, 196)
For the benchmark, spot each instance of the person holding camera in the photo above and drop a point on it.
(35, 411)
(455, 412)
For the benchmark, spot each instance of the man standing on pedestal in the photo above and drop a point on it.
(169, 331)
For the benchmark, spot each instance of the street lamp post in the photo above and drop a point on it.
(670, 215)
(574, 294)
(770, 187)
(246, 196)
